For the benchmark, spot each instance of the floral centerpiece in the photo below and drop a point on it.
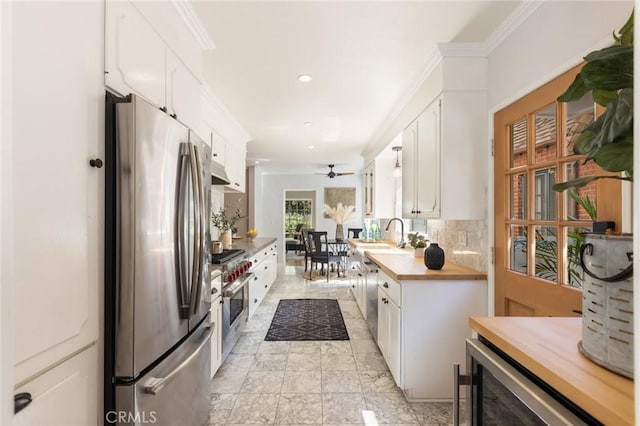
(252, 233)
(340, 215)
(227, 225)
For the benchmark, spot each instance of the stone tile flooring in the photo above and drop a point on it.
(317, 383)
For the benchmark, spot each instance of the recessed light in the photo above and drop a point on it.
(309, 146)
(257, 162)
(307, 123)
(304, 78)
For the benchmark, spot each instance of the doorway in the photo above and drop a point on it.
(299, 211)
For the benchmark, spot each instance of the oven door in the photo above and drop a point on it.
(235, 310)
(499, 393)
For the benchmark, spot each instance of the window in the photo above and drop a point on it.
(297, 213)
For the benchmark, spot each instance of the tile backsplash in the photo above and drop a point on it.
(464, 241)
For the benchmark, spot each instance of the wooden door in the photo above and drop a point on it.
(537, 231)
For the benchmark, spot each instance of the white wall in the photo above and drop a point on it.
(270, 196)
(548, 43)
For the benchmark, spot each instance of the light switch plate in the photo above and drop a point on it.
(462, 238)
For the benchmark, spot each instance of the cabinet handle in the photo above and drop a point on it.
(384, 299)
(255, 300)
(163, 109)
(359, 274)
(265, 267)
(215, 155)
(96, 163)
(255, 278)
(255, 261)
(20, 401)
(385, 285)
(353, 286)
(174, 116)
(236, 184)
(266, 286)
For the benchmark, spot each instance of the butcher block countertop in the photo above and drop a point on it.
(548, 347)
(401, 265)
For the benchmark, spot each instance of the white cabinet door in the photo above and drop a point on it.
(182, 93)
(383, 323)
(219, 149)
(64, 395)
(135, 55)
(235, 167)
(409, 162)
(57, 197)
(393, 341)
(369, 190)
(216, 337)
(427, 171)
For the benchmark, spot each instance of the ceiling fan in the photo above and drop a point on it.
(333, 174)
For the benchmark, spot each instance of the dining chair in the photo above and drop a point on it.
(304, 232)
(354, 232)
(319, 245)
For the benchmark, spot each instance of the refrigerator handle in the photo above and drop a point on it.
(196, 276)
(155, 384)
(183, 291)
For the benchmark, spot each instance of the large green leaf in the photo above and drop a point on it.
(604, 97)
(618, 58)
(618, 119)
(579, 183)
(616, 157)
(575, 92)
(584, 143)
(626, 32)
(601, 75)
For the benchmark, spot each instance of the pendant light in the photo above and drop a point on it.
(397, 170)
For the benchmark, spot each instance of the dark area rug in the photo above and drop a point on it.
(307, 319)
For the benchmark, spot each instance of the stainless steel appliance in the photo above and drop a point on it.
(501, 391)
(157, 327)
(370, 272)
(234, 266)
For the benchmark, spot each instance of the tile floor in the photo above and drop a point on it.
(319, 382)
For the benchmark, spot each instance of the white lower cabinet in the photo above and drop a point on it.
(216, 337)
(65, 395)
(389, 321)
(264, 268)
(422, 326)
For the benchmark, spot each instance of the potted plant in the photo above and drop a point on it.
(607, 259)
(226, 225)
(418, 242)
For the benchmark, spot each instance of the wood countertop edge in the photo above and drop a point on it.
(457, 272)
(609, 411)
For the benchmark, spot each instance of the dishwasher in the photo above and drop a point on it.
(370, 272)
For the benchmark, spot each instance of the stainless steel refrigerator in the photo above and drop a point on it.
(157, 325)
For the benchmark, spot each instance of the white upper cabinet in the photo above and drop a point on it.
(218, 149)
(135, 55)
(379, 187)
(444, 150)
(182, 92)
(137, 60)
(56, 204)
(421, 165)
(235, 166)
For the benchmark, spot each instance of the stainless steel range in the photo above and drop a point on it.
(234, 266)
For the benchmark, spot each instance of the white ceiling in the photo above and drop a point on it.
(363, 57)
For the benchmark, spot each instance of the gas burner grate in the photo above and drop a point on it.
(226, 256)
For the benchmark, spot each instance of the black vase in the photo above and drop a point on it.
(434, 256)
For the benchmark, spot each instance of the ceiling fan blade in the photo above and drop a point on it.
(323, 174)
(345, 174)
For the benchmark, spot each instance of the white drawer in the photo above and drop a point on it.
(390, 286)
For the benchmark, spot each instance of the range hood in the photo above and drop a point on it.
(218, 175)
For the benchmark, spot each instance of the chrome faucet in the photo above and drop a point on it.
(402, 242)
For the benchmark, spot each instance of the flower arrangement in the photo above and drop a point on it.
(252, 233)
(225, 223)
(340, 214)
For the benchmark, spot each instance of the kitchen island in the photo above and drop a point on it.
(548, 348)
(421, 316)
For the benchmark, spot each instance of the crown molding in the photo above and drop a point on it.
(215, 101)
(513, 21)
(193, 23)
(469, 50)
